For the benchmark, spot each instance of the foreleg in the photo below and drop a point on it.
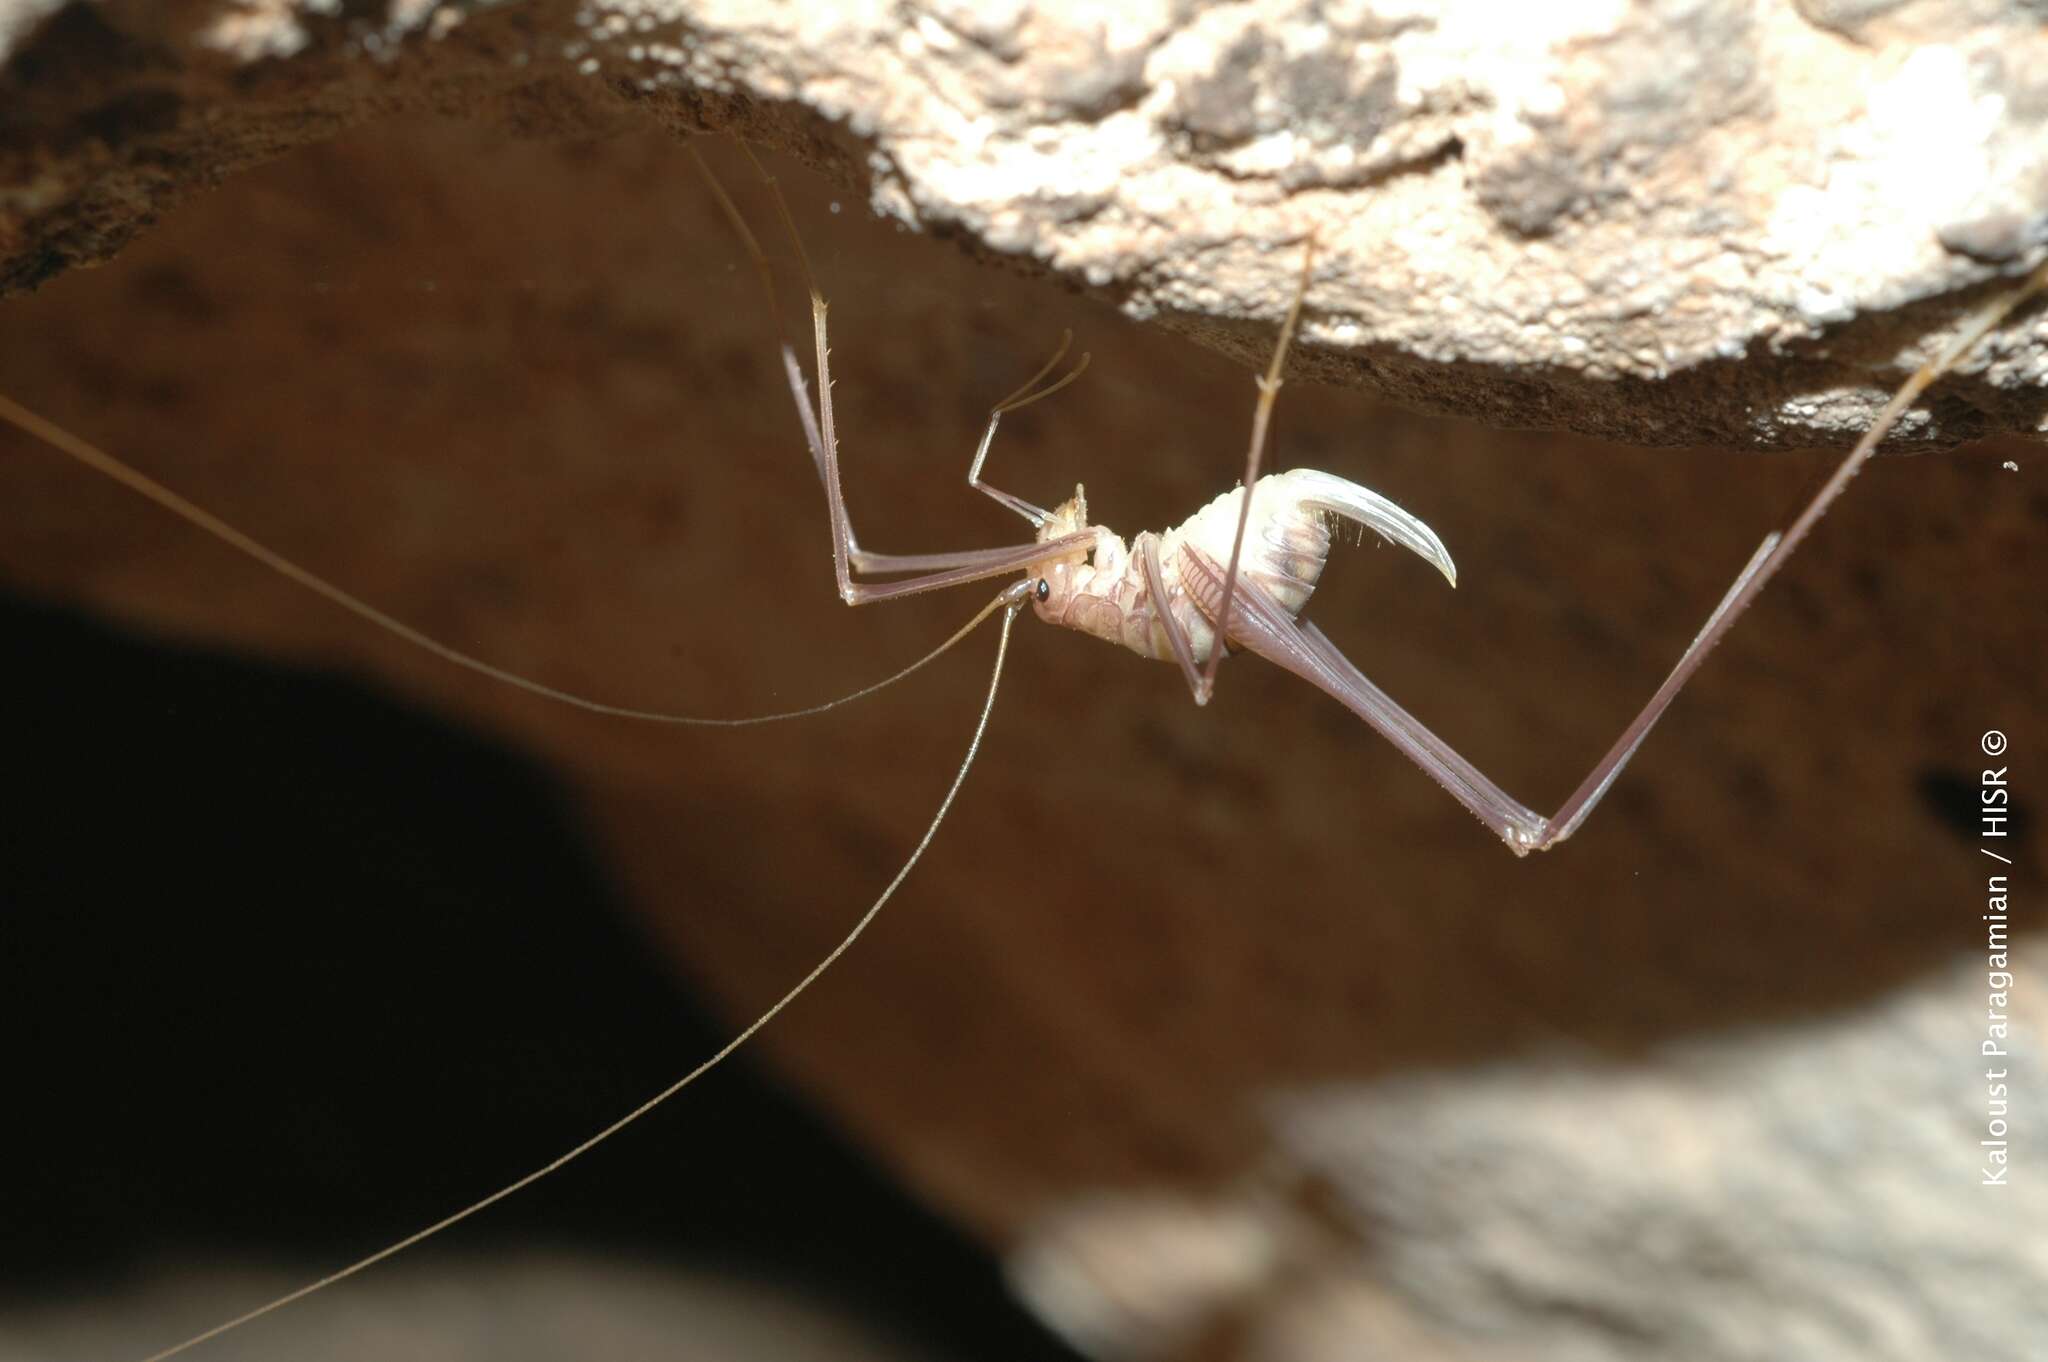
(937, 570)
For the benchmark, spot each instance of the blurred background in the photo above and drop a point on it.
(1199, 1034)
(294, 968)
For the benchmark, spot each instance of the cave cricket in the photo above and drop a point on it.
(1235, 576)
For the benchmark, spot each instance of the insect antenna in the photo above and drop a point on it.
(136, 481)
(1011, 600)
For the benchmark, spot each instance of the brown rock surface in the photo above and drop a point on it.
(521, 394)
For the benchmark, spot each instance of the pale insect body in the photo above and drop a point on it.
(1109, 594)
(1242, 569)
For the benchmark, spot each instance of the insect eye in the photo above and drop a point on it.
(1044, 589)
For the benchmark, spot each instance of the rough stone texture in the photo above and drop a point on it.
(1681, 222)
(519, 392)
(1751, 1196)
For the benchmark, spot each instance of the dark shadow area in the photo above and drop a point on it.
(280, 987)
(1955, 798)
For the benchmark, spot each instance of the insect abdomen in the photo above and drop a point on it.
(1286, 542)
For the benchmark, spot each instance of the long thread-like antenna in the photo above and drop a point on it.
(1011, 600)
(104, 463)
